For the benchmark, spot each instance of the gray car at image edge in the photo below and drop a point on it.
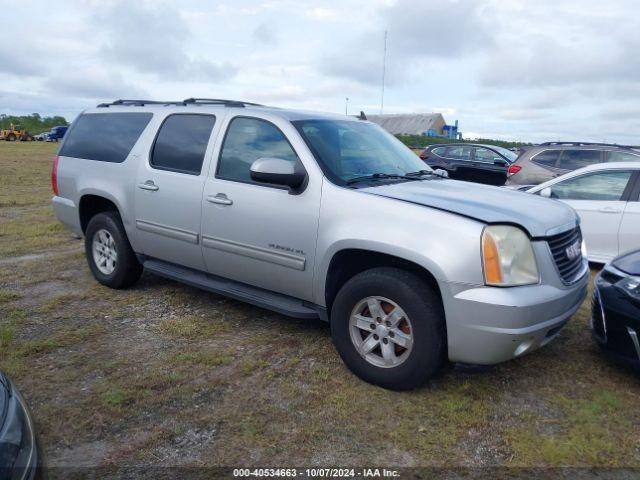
(321, 216)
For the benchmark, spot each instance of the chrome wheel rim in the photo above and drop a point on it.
(381, 332)
(104, 251)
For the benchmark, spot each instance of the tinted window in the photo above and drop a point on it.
(439, 151)
(596, 186)
(249, 139)
(488, 156)
(459, 153)
(182, 142)
(574, 159)
(618, 156)
(106, 137)
(547, 158)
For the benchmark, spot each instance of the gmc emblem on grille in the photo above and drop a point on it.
(573, 251)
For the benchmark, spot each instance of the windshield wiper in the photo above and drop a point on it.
(420, 173)
(379, 176)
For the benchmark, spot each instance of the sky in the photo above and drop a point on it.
(521, 70)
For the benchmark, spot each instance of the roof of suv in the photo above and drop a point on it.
(583, 145)
(213, 105)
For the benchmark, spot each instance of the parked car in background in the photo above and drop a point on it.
(56, 133)
(471, 162)
(316, 215)
(41, 136)
(552, 159)
(606, 196)
(615, 316)
(19, 456)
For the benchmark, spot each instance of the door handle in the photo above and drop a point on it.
(219, 199)
(148, 185)
(609, 210)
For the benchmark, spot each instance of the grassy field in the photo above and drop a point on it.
(164, 374)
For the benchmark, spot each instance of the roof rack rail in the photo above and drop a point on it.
(185, 102)
(579, 144)
(219, 101)
(138, 103)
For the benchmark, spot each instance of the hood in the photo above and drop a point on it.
(539, 216)
(629, 263)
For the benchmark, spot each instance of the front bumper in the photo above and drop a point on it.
(615, 319)
(488, 325)
(19, 453)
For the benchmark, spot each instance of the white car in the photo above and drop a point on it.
(606, 196)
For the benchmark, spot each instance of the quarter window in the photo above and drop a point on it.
(182, 142)
(439, 151)
(247, 140)
(608, 186)
(547, 158)
(574, 159)
(105, 137)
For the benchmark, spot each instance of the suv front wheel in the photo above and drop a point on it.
(109, 254)
(388, 326)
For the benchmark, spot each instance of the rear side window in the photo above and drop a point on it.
(459, 153)
(574, 159)
(182, 142)
(618, 156)
(105, 137)
(547, 158)
(249, 139)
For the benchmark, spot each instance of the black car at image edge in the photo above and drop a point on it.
(19, 455)
(615, 316)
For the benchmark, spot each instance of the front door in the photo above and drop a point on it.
(260, 234)
(598, 199)
(168, 198)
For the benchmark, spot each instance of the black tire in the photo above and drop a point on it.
(127, 269)
(420, 303)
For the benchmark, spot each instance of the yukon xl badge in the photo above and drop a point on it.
(573, 251)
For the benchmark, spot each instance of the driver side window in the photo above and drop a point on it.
(247, 140)
(596, 186)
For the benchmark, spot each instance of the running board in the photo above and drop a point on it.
(292, 307)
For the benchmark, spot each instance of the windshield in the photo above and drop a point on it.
(352, 149)
(508, 154)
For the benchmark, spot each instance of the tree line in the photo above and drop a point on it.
(423, 141)
(34, 123)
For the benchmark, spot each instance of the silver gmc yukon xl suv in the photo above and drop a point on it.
(321, 216)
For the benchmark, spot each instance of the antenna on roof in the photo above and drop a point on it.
(384, 71)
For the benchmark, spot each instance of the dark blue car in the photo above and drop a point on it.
(56, 133)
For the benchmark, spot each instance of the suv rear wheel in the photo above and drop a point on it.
(109, 254)
(388, 326)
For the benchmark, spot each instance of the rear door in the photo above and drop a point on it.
(169, 184)
(599, 199)
(459, 161)
(629, 236)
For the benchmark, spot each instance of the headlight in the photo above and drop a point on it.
(507, 257)
(630, 285)
(17, 442)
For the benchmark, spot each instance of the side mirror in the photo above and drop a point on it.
(546, 192)
(502, 163)
(441, 173)
(277, 171)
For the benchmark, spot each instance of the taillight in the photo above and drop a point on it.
(54, 175)
(513, 169)
(424, 156)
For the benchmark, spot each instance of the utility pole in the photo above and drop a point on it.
(346, 105)
(384, 71)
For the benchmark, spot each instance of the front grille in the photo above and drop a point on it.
(569, 268)
(597, 318)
